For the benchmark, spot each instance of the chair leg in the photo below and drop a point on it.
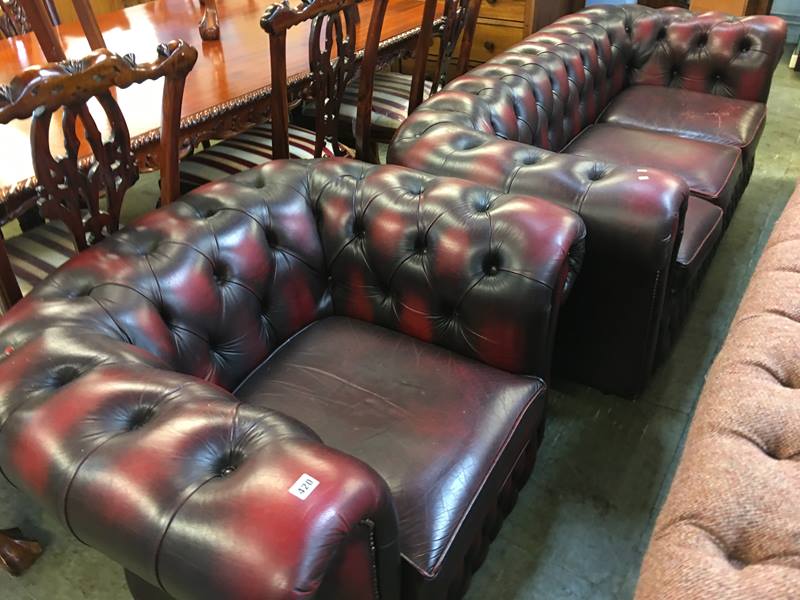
(17, 554)
(10, 293)
(209, 26)
(30, 219)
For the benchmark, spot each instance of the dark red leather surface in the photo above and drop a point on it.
(158, 470)
(451, 421)
(551, 86)
(702, 232)
(693, 115)
(547, 88)
(608, 328)
(713, 171)
(712, 52)
(114, 412)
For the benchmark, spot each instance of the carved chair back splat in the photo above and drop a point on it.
(14, 17)
(459, 21)
(13, 20)
(69, 188)
(332, 61)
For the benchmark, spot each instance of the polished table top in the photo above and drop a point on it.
(226, 70)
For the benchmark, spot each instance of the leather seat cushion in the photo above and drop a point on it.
(689, 114)
(443, 430)
(712, 171)
(702, 230)
(244, 151)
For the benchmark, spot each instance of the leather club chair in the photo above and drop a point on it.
(663, 110)
(309, 378)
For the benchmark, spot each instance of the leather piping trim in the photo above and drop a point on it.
(720, 217)
(430, 574)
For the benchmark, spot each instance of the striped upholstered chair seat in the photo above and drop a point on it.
(245, 151)
(38, 252)
(389, 103)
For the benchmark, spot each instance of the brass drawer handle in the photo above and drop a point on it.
(489, 46)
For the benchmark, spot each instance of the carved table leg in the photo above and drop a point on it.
(16, 553)
(209, 26)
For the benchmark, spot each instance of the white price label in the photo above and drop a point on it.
(304, 486)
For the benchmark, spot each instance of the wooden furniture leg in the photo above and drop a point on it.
(209, 26)
(17, 554)
(10, 293)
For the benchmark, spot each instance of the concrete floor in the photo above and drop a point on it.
(583, 521)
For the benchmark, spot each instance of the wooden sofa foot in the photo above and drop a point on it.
(17, 554)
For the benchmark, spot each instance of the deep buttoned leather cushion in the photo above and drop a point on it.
(702, 231)
(115, 413)
(550, 86)
(690, 114)
(442, 430)
(620, 46)
(157, 470)
(713, 171)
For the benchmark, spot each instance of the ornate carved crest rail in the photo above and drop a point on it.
(228, 116)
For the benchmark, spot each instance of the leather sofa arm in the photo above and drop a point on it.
(192, 491)
(634, 219)
(630, 213)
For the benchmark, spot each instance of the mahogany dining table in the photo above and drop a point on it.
(227, 91)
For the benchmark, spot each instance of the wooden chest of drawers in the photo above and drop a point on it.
(734, 7)
(503, 23)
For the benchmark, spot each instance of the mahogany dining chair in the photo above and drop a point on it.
(14, 19)
(43, 26)
(332, 60)
(396, 94)
(70, 189)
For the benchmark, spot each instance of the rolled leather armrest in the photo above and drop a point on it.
(192, 491)
(634, 219)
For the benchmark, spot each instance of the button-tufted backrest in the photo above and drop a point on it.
(710, 52)
(211, 285)
(436, 257)
(553, 84)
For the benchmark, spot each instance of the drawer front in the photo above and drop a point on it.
(492, 39)
(505, 10)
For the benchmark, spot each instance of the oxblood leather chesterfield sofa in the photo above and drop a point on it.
(655, 115)
(373, 329)
(729, 526)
